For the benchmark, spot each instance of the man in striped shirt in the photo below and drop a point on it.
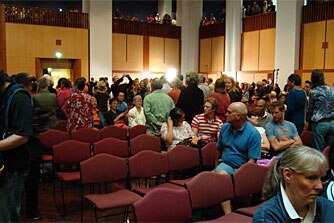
(206, 126)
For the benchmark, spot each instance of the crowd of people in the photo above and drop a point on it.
(254, 7)
(247, 122)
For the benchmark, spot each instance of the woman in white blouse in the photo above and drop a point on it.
(136, 114)
(175, 129)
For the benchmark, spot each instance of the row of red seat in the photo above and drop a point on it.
(92, 135)
(166, 202)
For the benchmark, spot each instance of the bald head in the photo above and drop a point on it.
(239, 107)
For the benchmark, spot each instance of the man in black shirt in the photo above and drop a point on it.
(13, 151)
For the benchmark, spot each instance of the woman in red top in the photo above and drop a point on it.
(222, 97)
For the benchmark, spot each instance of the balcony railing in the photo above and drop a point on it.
(46, 17)
(318, 12)
(258, 22)
(212, 30)
(146, 29)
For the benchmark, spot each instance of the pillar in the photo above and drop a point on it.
(100, 37)
(233, 36)
(288, 23)
(188, 16)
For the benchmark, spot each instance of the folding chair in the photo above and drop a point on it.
(208, 156)
(88, 135)
(249, 180)
(326, 152)
(136, 131)
(103, 169)
(208, 189)
(307, 138)
(164, 205)
(71, 153)
(147, 164)
(112, 146)
(145, 142)
(114, 132)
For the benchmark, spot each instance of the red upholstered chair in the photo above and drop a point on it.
(114, 132)
(146, 164)
(326, 152)
(105, 169)
(136, 131)
(112, 146)
(208, 155)
(145, 142)
(164, 205)
(61, 125)
(307, 138)
(208, 189)
(182, 158)
(68, 152)
(88, 135)
(248, 180)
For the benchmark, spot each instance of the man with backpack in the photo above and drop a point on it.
(15, 131)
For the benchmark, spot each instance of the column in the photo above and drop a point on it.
(233, 36)
(164, 7)
(288, 23)
(188, 16)
(100, 37)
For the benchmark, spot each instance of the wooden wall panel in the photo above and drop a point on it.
(329, 59)
(250, 51)
(135, 52)
(218, 54)
(25, 43)
(305, 76)
(313, 54)
(205, 55)
(329, 78)
(251, 77)
(119, 56)
(172, 55)
(157, 54)
(3, 63)
(267, 49)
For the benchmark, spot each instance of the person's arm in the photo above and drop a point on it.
(120, 116)
(298, 141)
(150, 117)
(13, 142)
(265, 145)
(169, 134)
(218, 156)
(290, 103)
(280, 145)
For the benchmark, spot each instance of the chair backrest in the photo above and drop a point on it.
(103, 168)
(249, 179)
(71, 151)
(208, 189)
(326, 152)
(114, 132)
(307, 138)
(208, 154)
(53, 137)
(112, 146)
(148, 163)
(61, 125)
(145, 142)
(164, 205)
(88, 135)
(136, 131)
(182, 158)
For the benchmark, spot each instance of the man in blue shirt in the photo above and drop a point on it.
(122, 106)
(238, 143)
(281, 134)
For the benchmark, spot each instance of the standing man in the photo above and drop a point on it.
(157, 106)
(13, 147)
(238, 143)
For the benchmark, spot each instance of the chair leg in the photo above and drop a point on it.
(62, 196)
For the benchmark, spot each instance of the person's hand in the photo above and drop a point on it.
(284, 138)
(131, 115)
(169, 122)
(194, 140)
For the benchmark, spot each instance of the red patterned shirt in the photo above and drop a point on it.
(207, 129)
(79, 111)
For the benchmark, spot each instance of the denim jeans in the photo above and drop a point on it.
(11, 186)
(323, 133)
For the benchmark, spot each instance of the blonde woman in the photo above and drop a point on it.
(235, 94)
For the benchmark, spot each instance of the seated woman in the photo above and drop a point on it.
(136, 114)
(328, 191)
(98, 119)
(293, 186)
(113, 116)
(175, 129)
